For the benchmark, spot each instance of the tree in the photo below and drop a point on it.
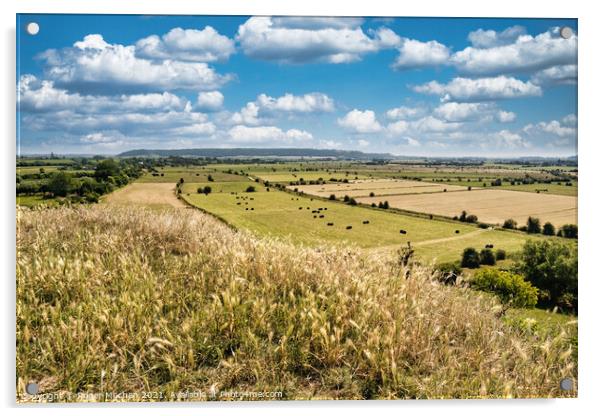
(470, 258)
(332, 197)
(548, 229)
(509, 224)
(510, 288)
(207, 190)
(106, 168)
(472, 218)
(500, 254)
(487, 257)
(551, 266)
(533, 226)
(569, 231)
(250, 189)
(210, 178)
(61, 184)
(386, 205)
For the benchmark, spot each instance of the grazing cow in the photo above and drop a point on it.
(402, 232)
(246, 209)
(300, 207)
(457, 231)
(349, 227)
(238, 203)
(365, 222)
(315, 216)
(252, 209)
(321, 216)
(489, 246)
(330, 224)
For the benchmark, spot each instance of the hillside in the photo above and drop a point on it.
(258, 153)
(130, 299)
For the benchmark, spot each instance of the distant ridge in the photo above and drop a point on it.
(252, 152)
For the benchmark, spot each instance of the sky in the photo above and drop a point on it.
(103, 84)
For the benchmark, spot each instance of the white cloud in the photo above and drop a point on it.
(308, 103)
(490, 38)
(363, 143)
(507, 140)
(417, 54)
(307, 39)
(526, 53)
(561, 74)
(404, 113)
(247, 115)
(505, 116)
(194, 45)
(360, 121)
(480, 89)
(413, 142)
(430, 124)
(245, 134)
(94, 65)
(564, 128)
(453, 111)
(210, 100)
(398, 127)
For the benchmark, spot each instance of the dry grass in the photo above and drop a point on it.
(157, 195)
(128, 299)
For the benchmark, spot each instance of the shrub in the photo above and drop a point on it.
(251, 188)
(210, 178)
(472, 218)
(500, 254)
(61, 184)
(470, 258)
(568, 231)
(483, 225)
(346, 198)
(386, 205)
(551, 266)
(487, 257)
(533, 226)
(332, 197)
(352, 201)
(510, 288)
(509, 224)
(207, 190)
(449, 272)
(372, 193)
(548, 229)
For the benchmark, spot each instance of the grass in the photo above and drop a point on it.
(129, 299)
(33, 200)
(277, 214)
(190, 174)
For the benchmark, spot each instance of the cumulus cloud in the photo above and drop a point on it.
(210, 101)
(526, 54)
(205, 45)
(36, 95)
(308, 39)
(563, 128)
(314, 102)
(360, 121)
(490, 38)
(404, 113)
(561, 74)
(262, 134)
(507, 140)
(453, 111)
(417, 54)
(505, 116)
(93, 65)
(480, 89)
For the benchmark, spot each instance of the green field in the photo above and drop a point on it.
(191, 174)
(289, 216)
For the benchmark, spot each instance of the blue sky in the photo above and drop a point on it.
(102, 84)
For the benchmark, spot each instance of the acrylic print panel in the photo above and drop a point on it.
(291, 208)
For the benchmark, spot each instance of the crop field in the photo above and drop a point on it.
(308, 176)
(380, 187)
(153, 195)
(492, 206)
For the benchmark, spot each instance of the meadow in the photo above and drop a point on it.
(129, 299)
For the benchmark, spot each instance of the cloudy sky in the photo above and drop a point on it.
(409, 86)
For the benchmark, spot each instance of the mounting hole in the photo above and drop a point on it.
(32, 388)
(32, 28)
(566, 384)
(566, 32)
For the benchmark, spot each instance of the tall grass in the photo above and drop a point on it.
(124, 299)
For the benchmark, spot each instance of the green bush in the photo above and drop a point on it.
(533, 225)
(250, 189)
(500, 254)
(551, 266)
(548, 229)
(511, 288)
(470, 258)
(487, 257)
(568, 231)
(510, 224)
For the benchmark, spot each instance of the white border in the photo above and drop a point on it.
(590, 34)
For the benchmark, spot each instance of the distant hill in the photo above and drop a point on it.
(261, 153)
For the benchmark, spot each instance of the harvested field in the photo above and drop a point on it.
(363, 188)
(491, 206)
(154, 195)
